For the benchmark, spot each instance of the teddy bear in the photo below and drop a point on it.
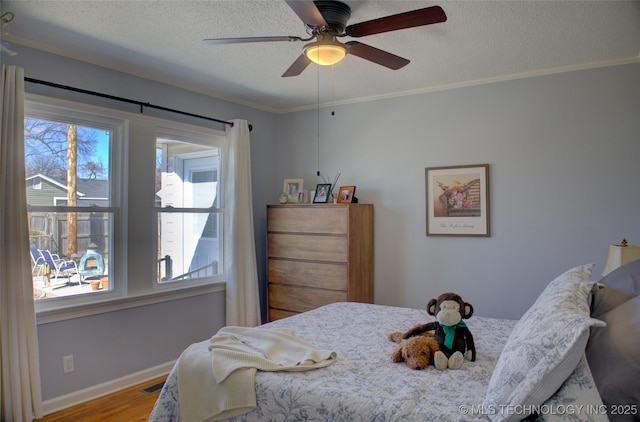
(450, 332)
(416, 351)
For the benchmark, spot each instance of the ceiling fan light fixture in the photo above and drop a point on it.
(325, 53)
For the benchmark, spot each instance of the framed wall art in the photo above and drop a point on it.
(346, 193)
(322, 193)
(457, 200)
(292, 187)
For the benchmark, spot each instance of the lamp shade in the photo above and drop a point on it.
(620, 255)
(325, 53)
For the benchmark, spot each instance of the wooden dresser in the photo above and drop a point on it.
(318, 254)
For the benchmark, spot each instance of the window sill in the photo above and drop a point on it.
(94, 308)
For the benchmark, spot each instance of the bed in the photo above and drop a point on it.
(537, 367)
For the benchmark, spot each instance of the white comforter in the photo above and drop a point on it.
(364, 385)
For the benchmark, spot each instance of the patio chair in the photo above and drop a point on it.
(59, 267)
(37, 259)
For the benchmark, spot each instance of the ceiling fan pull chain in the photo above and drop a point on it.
(318, 113)
(333, 112)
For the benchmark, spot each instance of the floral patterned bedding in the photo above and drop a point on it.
(364, 385)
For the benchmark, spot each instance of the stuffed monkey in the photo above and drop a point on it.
(451, 333)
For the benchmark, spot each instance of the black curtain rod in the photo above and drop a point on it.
(127, 100)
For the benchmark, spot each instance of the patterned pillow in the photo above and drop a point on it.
(544, 347)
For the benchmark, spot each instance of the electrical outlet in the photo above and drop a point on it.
(67, 364)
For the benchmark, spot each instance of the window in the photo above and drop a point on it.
(188, 208)
(91, 210)
(73, 202)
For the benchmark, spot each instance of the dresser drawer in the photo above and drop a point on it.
(333, 219)
(274, 314)
(308, 247)
(301, 299)
(307, 274)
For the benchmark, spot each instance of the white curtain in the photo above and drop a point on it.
(243, 300)
(19, 365)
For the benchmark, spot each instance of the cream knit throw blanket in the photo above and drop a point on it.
(216, 378)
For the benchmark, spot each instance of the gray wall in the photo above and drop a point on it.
(563, 152)
(563, 162)
(113, 345)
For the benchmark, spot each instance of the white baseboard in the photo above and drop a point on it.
(81, 396)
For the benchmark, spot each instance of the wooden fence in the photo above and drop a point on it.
(50, 231)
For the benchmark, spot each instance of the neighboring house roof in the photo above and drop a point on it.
(43, 190)
(54, 182)
(94, 188)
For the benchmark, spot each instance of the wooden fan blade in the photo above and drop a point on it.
(307, 12)
(376, 55)
(420, 17)
(250, 39)
(297, 67)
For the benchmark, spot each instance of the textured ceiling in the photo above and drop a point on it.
(481, 41)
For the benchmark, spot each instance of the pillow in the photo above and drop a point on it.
(577, 400)
(544, 347)
(612, 353)
(621, 284)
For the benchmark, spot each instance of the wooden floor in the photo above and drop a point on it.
(129, 405)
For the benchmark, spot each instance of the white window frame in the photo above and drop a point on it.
(124, 293)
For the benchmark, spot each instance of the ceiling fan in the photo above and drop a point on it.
(326, 21)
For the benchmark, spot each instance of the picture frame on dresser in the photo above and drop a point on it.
(292, 187)
(346, 194)
(322, 193)
(457, 200)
